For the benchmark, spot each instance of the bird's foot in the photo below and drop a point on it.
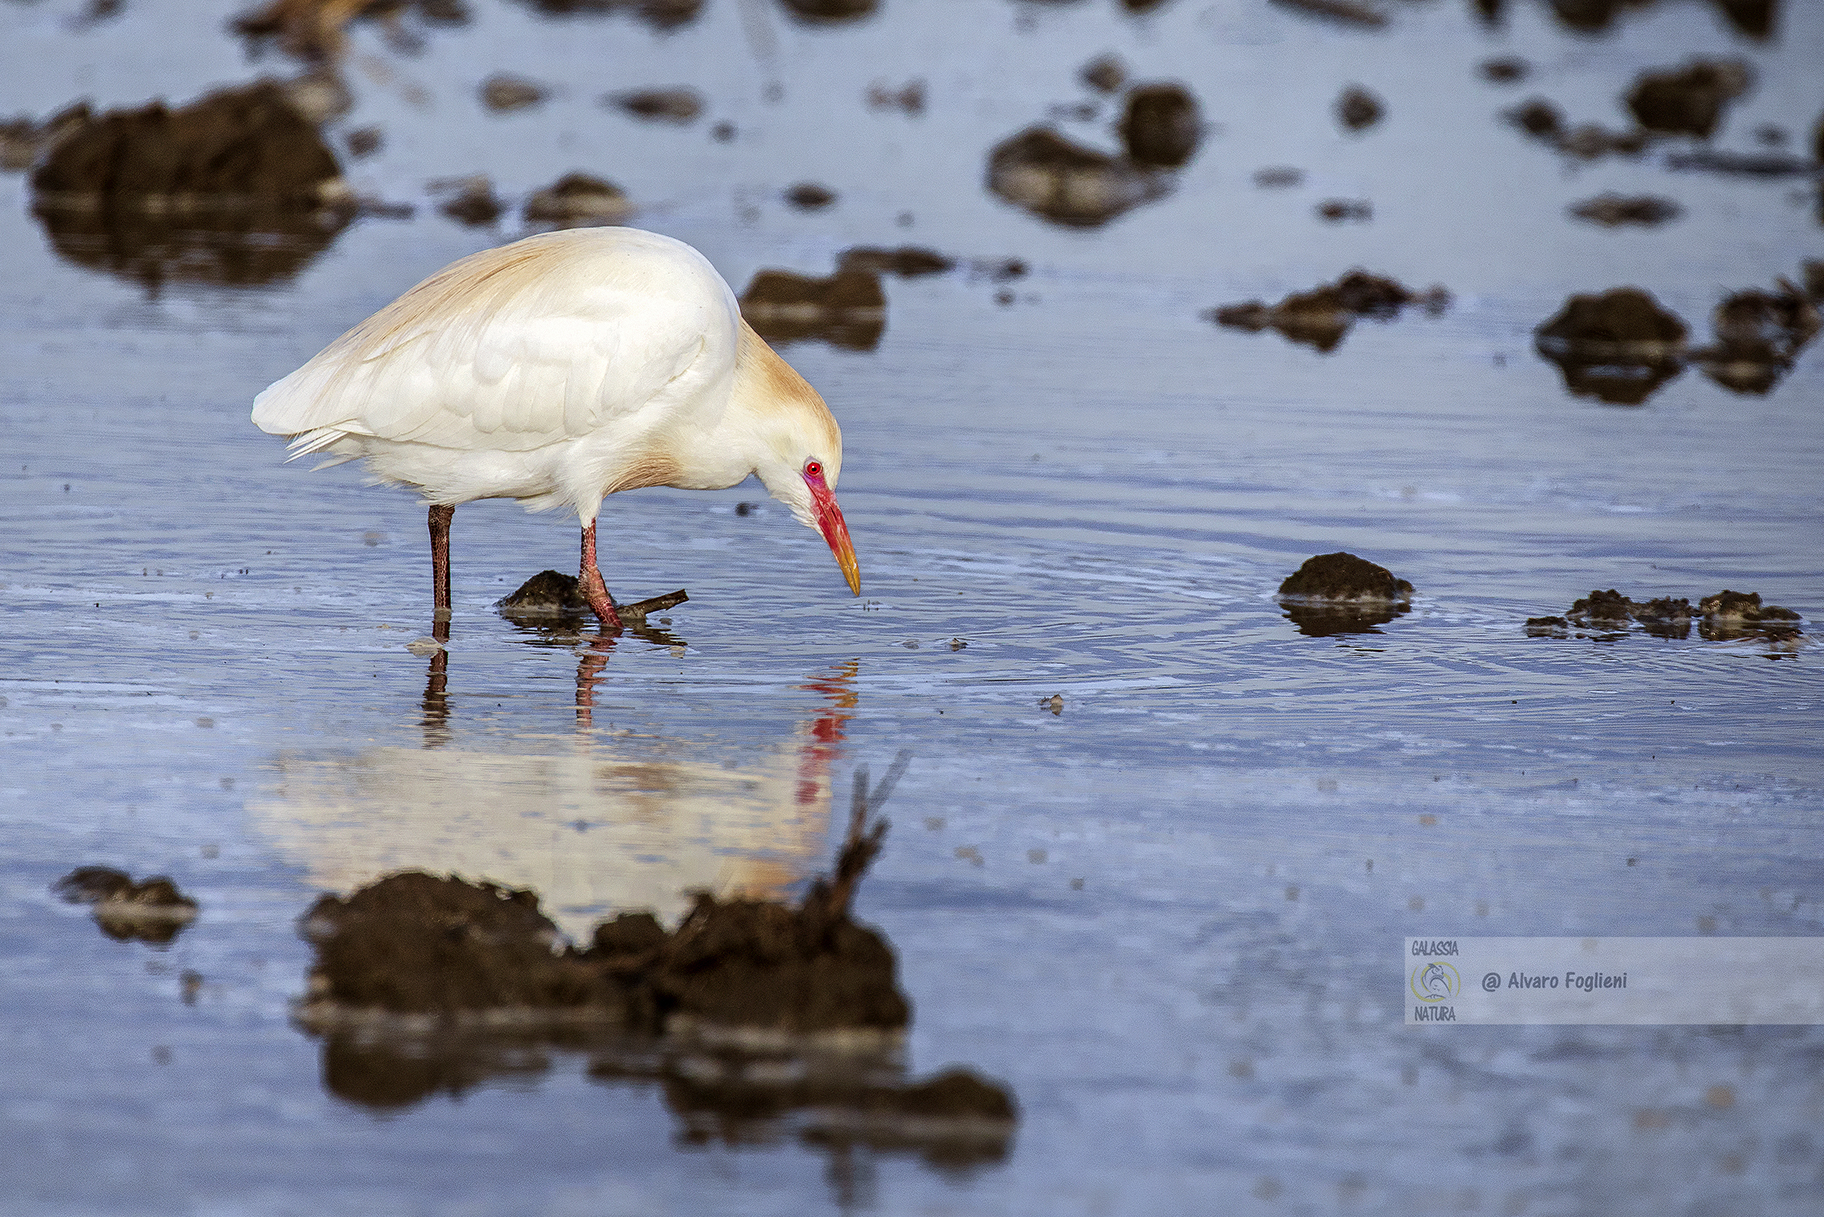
(596, 593)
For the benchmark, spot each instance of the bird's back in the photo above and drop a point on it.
(550, 338)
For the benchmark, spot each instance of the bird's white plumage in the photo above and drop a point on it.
(505, 371)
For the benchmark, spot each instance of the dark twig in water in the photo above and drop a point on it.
(640, 608)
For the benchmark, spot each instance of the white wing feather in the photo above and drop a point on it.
(515, 348)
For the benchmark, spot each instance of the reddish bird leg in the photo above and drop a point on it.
(590, 582)
(440, 571)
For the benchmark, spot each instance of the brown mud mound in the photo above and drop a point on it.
(1067, 183)
(810, 196)
(419, 953)
(551, 604)
(1340, 593)
(679, 105)
(658, 14)
(1105, 73)
(578, 200)
(236, 188)
(503, 93)
(1160, 126)
(152, 911)
(1322, 316)
(1688, 100)
(829, 12)
(1759, 335)
(469, 201)
(1357, 109)
(1543, 121)
(848, 309)
(1619, 346)
(1609, 614)
(1613, 210)
(907, 261)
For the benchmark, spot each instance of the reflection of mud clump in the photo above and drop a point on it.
(1342, 594)
(1160, 126)
(1064, 182)
(470, 201)
(152, 911)
(1758, 336)
(236, 188)
(954, 1120)
(1609, 614)
(1619, 347)
(1689, 100)
(1612, 210)
(1321, 317)
(848, 309)
(578, 200)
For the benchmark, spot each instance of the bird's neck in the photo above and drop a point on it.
(764, 392)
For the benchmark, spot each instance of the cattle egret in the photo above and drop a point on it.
(558, 370)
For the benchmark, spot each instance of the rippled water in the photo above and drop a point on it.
(1167, 916)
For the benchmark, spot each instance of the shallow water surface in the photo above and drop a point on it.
(1165, 909)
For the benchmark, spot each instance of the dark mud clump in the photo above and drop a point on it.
(1340, 593)
(1505, 70)
(1753, 18)
(829, 12)
(1346, 12)
(1321, 317)
(1542, 121)
(578, 200)
(419, 953)
(1614, 210)
(1609, 614)
(1160, 126)
(551, 602)
(1619, 346)
(152, 911)
(503, 94)
(810, 196)
(1741, 164)
(1104, 73)
(469, 201)
(679, 105)
(1067, 183)
(658, 14)
(906, 262)
(365, 141)
(1758, 337)
(848, 309)
(236, 188)
(1730, 614)
(1688, 100)
(1336, 211)
(1278, 177)
(1357, 109)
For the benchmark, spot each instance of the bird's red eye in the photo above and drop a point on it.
(813, 469)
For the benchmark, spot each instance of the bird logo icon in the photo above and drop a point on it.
(1435, 982)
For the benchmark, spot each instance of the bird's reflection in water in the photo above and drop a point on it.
(598, 823)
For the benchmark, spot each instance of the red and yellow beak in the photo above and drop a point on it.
(830, 523)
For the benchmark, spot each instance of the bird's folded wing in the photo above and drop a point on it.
(506, 360)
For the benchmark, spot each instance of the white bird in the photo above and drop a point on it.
(558, 370)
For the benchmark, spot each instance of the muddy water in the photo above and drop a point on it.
(1167, 915)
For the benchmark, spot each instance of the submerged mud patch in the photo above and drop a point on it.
(236, 188)
(152, 911)
(847, 309)
(1067, 183)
